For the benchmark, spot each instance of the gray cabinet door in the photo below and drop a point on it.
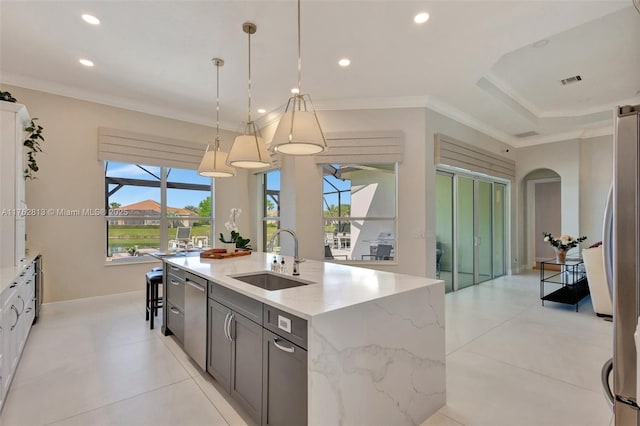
(284, 382)
(246, 383)
(219, 357)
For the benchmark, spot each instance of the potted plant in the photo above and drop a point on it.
(562, 245)
(235, 240)
(31, 143)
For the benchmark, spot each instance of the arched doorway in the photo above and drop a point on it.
(543, 212)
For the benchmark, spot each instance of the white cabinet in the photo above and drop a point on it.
(17, 312)
(14, 119)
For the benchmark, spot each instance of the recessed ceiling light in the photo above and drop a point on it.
(295, 90)
(541, 43)
(86, 62)
(344, 62)
(421, 18)
(261, 111)
(90, 19)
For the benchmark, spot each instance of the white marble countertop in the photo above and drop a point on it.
(334, 286)
(9, 274)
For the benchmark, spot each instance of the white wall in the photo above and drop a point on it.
(71, 177)
(596, 173)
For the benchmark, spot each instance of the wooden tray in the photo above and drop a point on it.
(222, 254)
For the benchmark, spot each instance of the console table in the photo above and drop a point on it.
(569, 283)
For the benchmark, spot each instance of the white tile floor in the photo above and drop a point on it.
(510, 362)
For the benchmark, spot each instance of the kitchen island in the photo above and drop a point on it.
(374, 341)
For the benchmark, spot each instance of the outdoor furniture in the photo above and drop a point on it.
(183, 238)
(154, 300)
(200, 241)
(330, 239)
(344, 240)
(329, 255)
(383, 252)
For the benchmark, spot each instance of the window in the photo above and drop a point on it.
(360, 211)
(138, 222)
(270, 207)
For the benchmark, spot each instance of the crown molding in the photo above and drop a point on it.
(116, 102)
(323, 105)
(464, 118)
(574, 134)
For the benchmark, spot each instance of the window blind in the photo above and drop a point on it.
(452, 152)
(129, 147)
(363, 147)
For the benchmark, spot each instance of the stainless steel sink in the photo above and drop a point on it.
(270, 281)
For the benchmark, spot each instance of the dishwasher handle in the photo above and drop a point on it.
(196, 286)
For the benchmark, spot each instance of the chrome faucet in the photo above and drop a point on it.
(296, 259)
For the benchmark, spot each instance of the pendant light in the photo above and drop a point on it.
(299, 132)
(248, 150)
(214, 162)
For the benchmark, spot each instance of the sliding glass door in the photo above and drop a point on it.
(465, 238)
(444, 229)
(484, 231)
(470, 229)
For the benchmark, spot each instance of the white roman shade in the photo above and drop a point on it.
(363, 148)
(129, 147)
(452, 152)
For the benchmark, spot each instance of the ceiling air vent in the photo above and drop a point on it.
(527, 134)
(571, 80)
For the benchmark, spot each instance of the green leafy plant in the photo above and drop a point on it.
(565, 242)
(241, 243)
(32, 145)
(6, 96)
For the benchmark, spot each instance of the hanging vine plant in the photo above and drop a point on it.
(31, 143)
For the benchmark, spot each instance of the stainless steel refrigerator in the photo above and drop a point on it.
(622, 264)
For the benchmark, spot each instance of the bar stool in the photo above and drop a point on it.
(154, 301)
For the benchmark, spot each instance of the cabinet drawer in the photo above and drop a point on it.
(175, 321)
(175, 290)
(286, 325)
(244, 305)
(175, 271)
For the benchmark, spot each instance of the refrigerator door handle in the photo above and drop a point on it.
(607, 242)
(607, 368)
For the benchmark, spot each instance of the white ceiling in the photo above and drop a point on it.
(472, 61)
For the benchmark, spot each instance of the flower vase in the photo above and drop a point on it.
(561, 255)
(231, 247)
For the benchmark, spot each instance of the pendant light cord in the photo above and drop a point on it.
(249, 115)
(217, 143)
(299, 55)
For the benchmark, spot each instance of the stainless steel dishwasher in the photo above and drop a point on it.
(195, 319)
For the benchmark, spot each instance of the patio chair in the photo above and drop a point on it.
(383, 252)
(183, 238)
(330, 239)
(329, 255)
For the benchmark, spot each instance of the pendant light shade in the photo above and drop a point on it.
(249, 150)
(299, 132)
(214, 162)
